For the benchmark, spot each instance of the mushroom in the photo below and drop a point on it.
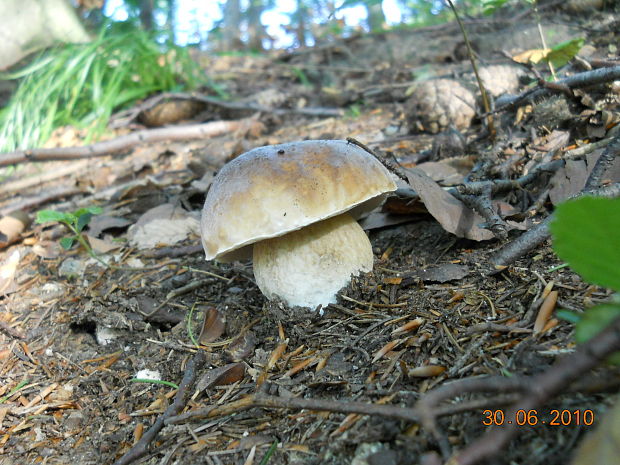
(293, 209)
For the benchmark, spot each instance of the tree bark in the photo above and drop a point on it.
(375, 18)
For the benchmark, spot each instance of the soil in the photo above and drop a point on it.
(78, 338)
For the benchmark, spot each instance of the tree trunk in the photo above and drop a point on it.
(30, 25)
(375, 18)
(231, 27)
(256, 30)
(146, 14)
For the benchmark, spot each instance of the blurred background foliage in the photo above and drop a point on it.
(141, 47)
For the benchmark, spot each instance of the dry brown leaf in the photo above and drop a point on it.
(242, 347)
(427, 371)
(213, 326)
(532, 56)
(7, 273)
(601, 446)
(571, 178)
(163, 225)
(451, 213)
(102, 246)
(227, 374)
(11, 226)
(47, 249)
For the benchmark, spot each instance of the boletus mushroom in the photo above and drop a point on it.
(293, 209)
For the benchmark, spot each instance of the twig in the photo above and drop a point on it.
(541, 388)
(502, 185)
(119, 144)
(482, 203)
(262, 400)
(389, 165)
(539, 233)
(129, 115)
(140, 448)
(470, 54)
(174, 252)
(588, 78)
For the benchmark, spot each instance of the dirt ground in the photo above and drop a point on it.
(77, 333)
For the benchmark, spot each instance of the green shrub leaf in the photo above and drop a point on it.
(595, 320)
(564, 52)
(586, 234)
(67, 242)
(45, 216)
(83, 220)
(91, 210)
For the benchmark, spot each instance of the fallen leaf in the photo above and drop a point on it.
(7, 273)
(242, 347)
(532, 56)
(163, 225)
(101, 223)
(571, 178)
(451, 213)
(427, 371)
(11, 226)
(213, 326)
(102, 246)
(227, 374)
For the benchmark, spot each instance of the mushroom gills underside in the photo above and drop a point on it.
(308, 267)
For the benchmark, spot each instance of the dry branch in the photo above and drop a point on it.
(542, 388)
(539, 233)
(123, 143)
(576, 81)
(140, 448)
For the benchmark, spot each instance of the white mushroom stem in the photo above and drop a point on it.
(308, 267)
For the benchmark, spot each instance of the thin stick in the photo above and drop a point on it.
(139, 449)
(122, 143)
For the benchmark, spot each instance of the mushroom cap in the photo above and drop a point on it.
(272, 190)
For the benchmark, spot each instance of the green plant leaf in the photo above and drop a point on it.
(46, 216)
(91, 210)
(595, 320)
(586, 235)
(568, 315)
(82, 221)
(67, 242)
(489, 7)
(564, 52)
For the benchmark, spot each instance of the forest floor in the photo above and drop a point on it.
(435, 309)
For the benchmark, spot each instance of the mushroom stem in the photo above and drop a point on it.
(309, 266)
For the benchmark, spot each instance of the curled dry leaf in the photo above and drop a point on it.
(545, 311)
(11, 226)
(242, 347)
(276, 354)
(163, 225)
(427, 371)
(7, 273)
(227, 374)
(385, 349)
(451, 213)
(409, 326)
(213, 326)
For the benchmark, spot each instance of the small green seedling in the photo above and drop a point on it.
(76, 222)
(585, 234)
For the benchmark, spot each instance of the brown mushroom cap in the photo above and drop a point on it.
(270, 191)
